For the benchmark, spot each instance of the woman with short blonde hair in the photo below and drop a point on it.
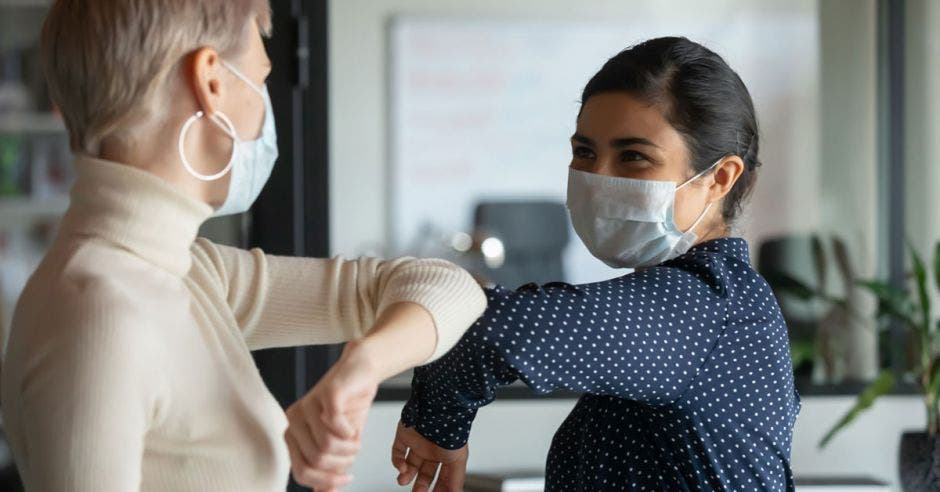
(129, 365)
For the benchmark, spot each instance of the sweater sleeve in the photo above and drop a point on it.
(287, 301)
(82, 410)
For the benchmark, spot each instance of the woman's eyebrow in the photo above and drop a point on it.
(626, 142)
(577, 137)
(617, 142)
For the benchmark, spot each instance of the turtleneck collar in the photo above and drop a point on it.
(136, 211)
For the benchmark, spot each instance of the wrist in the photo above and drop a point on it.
(361, 354)
(403, 337)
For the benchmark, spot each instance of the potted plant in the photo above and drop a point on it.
(910, 306)
(832, 339)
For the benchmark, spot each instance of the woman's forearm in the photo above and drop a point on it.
(282, 301)
(404, 336)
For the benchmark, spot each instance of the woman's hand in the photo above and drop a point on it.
(413, 455)
(325, 426)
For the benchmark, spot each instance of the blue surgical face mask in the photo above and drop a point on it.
(629, 223)
(251, 161)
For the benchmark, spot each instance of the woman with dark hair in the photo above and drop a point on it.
(683, 365)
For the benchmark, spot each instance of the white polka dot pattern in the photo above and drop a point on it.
(684, 370)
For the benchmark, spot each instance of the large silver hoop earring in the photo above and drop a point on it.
(216, 118)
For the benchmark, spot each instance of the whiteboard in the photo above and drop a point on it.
(483, 109)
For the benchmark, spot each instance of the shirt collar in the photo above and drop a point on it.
(733, 247)
(135, 210)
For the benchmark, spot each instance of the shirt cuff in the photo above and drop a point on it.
(448, 428)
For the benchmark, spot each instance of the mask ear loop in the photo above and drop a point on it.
(707, 207)
(222, 122)
(699, 175)
(236, 72)
(700, 218)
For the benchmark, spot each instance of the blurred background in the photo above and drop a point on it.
(440, 128)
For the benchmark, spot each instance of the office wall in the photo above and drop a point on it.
(517, 434)
(923, 124)
(359, 107)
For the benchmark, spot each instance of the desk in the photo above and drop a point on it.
(534, 481)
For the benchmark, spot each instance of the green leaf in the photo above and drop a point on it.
(920, 277)
(801, 352)
(934, 381)
(936, 264)
(790, 284)
(892, 301)
(880, 386)
(786, 283)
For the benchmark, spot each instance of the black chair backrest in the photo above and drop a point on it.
(534, 235)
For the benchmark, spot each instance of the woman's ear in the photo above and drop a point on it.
(202, 75)
(725, 175)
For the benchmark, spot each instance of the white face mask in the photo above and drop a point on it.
(251, 161)
(629, 223)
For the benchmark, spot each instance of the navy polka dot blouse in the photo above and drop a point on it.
(684, 371)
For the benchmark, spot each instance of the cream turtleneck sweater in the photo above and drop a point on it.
(128, 365)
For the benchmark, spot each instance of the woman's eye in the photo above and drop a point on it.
(631, 156)
(582, 153)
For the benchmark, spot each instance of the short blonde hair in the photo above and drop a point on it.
(105, 60)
